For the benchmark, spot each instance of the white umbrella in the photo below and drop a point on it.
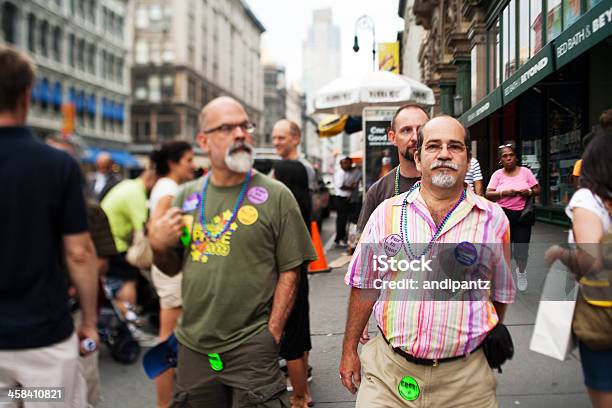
(349, 95)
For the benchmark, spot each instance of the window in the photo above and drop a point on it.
(91, 60)
(505, 43)
(92, 11)
(553, 20)
(71, 46)
(592, 3)
(142, 129)
(44, 33)
(81, 8)
(119, 69)
(140, 89)
(167, 87)
(57, 44)
(154, 89)
(155, 13)
(166, 128)
(80, 54)
(512, 65)
(571, 12)
(142, 17)
(191, 91)
(142, 52)
(9, 18)
(168, 54)
(31, 32)
(535, 23)
(523, 31)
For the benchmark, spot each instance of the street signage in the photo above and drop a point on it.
(482, 109)
(594, 26)
(532, 72)
(379, 154)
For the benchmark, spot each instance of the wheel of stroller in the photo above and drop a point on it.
(125, 350)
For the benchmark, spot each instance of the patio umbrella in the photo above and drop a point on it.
(348, 95)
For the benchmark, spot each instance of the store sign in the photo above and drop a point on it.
(380, 155)
(482, 109)
(529, 74)
(593, 27)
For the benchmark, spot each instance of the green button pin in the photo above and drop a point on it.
(215, 362)
(186, 237)
(408, 389)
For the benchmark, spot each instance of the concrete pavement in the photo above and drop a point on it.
(529, 380)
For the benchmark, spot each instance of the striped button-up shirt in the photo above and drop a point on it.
(436, 328)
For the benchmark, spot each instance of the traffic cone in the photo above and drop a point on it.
(320, 265)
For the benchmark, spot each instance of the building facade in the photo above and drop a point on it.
(275, 101)
(79, 50)
(410, 41)
(321, 63)
(186, 53)
(533, 73)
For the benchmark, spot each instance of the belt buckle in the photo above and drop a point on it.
(435, 362)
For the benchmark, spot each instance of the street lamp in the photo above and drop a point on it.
(367, 23)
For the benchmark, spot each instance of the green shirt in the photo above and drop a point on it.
(228, 285)
(126, 208)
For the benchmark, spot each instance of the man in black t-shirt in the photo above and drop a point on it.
(407, 121)
(44, 220)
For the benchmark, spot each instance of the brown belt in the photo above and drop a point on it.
(423, 361)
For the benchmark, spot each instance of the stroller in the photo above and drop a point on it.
(113, 329)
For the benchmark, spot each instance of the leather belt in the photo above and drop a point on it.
(423, 361)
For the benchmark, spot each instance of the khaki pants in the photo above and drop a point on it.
(250, 377)
(56, 365)
(467, 382)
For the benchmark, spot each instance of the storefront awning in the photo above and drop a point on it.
(120, 157)
(594, 26)
(482, 109)
(529, 74)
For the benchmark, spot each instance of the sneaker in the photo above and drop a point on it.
(521, 280)
(289, 386)
(143, 338)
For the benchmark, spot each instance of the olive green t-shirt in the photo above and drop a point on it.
(228, 285)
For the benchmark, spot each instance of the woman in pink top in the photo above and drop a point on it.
(510, 186)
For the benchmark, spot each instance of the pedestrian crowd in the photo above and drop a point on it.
(220, 262)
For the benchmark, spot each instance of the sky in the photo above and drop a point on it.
(286, 23)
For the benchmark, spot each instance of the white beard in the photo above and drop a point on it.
(443, 180)
(240, 161)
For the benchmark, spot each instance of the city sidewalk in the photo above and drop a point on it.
(528, 380)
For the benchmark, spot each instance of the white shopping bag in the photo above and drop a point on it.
(552, 334)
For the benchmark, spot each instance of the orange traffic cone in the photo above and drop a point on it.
(320, 265)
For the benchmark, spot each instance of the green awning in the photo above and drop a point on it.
(482, 109)
(529, 74)
(594, 26)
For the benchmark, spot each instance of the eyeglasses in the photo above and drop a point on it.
(505, 145)
(453, 147)
(227, 129)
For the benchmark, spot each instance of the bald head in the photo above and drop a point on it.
(286, 137)
(217, 107)
(104, 162)
(443, 125)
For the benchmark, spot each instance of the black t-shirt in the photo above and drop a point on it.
(42, 200)
(381, 190)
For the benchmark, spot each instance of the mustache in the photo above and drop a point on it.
(240, 146)
(443, 164)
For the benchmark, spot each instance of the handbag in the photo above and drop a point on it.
(140, 254)
(498, 347)
(552, 333)
(527, 216)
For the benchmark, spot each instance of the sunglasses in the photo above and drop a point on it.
(505, 145)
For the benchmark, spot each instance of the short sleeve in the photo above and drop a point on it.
(100, 231)
(584, 198)
(73, 211)
(368, 208)
(476, 172)
(293, 244)
(503, 288)
(494, 182)
(361, 273)
(531, 180)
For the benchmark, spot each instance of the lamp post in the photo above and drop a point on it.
(367, 23)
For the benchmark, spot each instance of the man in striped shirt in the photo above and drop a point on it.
(429, 351)
(474, 178)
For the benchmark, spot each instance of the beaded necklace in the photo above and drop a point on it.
(404, 223)
(215, 237)
(396, 186)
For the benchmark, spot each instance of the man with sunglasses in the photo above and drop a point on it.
(429, 349)
(239, 238)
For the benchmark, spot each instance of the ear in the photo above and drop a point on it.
(417, 160)
(202, 141)
(391, 136)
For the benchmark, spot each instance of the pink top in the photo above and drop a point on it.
(500, 181)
